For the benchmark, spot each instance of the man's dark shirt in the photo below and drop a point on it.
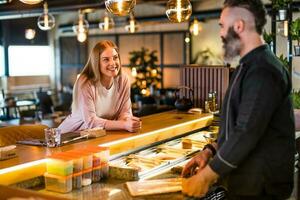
(257, 152)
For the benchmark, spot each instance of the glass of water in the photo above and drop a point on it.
(52, 137)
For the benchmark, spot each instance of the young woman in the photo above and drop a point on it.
(101, 94)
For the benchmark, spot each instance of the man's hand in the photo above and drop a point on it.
(198, 185)
(196, 163)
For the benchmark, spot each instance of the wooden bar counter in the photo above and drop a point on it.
(30, 162)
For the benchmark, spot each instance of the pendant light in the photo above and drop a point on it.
(120, 7)
(108, 23)
(81, 27)
(29, 34)
(196, 27)
(132, 26)
(31, 2)
(179, 10)
(46, 21)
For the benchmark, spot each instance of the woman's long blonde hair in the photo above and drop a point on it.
(91, 71)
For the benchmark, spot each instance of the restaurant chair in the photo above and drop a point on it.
(45, 102)
(65, 102)
(30, 116)
(11, 134)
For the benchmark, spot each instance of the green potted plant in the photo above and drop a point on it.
(268, 38)
(296, 104)
(146, 71)
(281, 7)
(284, 61)
(295, 34)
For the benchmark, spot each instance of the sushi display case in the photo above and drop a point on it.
(148, 161)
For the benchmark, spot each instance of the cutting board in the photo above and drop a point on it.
(150, 187)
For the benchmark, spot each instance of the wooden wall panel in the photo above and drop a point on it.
(205, 79)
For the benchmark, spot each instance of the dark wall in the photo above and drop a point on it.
(15, 32)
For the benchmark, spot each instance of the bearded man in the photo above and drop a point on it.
(254, 153)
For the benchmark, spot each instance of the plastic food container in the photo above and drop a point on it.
(104, 170)
(103, 152)
(59, 165)
(100, 155)
(96, 174)
(77, 180)
(96, 155)
(62, 184)
(86, 156)
(87, 177)
(77, 160)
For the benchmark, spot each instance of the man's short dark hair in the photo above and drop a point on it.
(256, 7)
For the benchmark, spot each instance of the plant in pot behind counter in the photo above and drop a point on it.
(295, 34)
(284, 61)
(184, 103)
(296, 104)
(281, 6)
(268, 38)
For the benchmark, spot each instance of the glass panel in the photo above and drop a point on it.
(130, 43)
(173, 51)
(2, 61)
(30, 60)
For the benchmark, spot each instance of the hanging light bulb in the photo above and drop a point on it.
(46, 21)
(195, 28)
(29, 34)
(120, 7)
(133, 72)
(81, 37)
(31, 2)
(132, 26)
(187, 40)
(108, 23)
(179, 10)
(81, 29)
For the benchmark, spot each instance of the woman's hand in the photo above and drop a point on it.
(132, 124)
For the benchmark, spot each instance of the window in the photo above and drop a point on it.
(30, 60)
(2, 62)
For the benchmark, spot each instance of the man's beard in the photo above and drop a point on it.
(231, 45)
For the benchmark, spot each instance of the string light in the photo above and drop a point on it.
(195, 28)
(108, 23)
(81, 29)
(179, 10)
(29, 34)
(132, 26)
(120, 7)
(46, 21)
(31, 2)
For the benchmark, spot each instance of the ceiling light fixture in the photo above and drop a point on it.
(179, 10)
(120, 7)
(29, 34)
(187, 40)
(108, 23)
(31, 2)
(46, 21)
(196, 27)
(132, 26)
(81, 29)
(5, 1)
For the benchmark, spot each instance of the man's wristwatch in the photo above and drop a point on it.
(211, 148)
